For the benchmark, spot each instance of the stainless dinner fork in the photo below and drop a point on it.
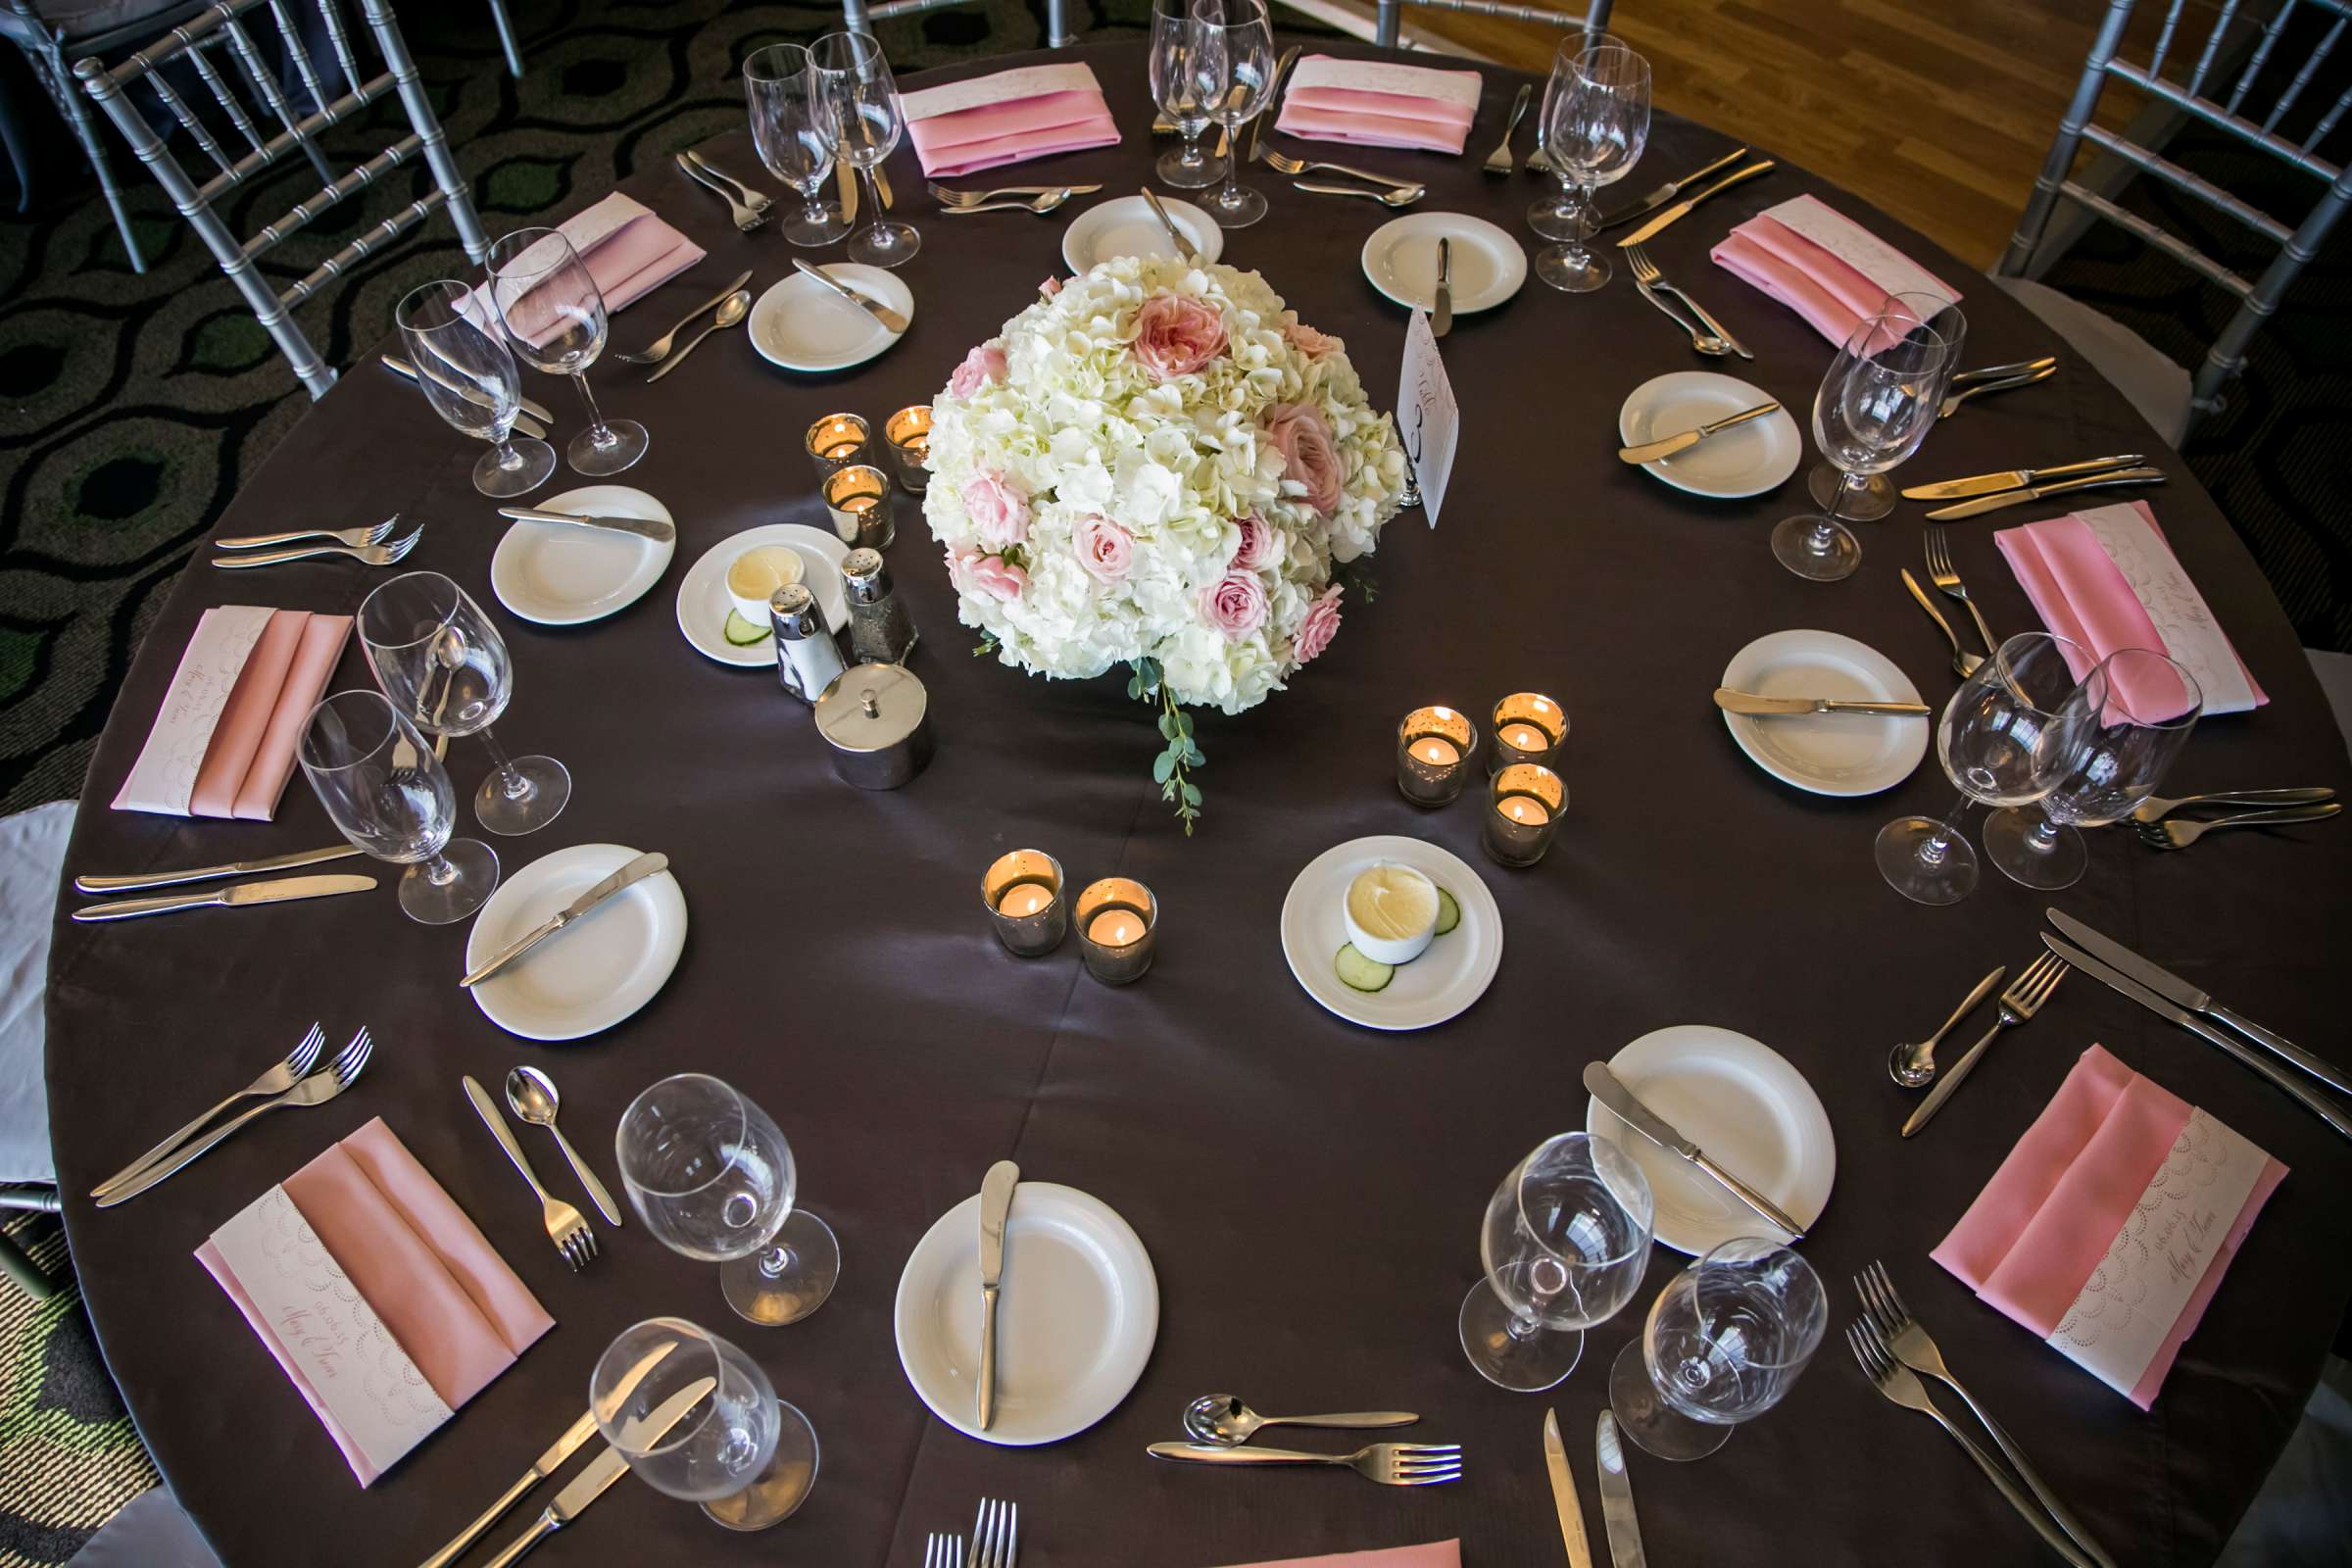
(2180, 835)
(375, 554)
(1647, 275)
(1391, 1464)
(747, 214)
(996, 1535)
(948, 196)
(2024, 999)
(317, 1089)
(1946, 578)
(354, 537)
(1042, 202)
(276, 1081)
(565, 1228)
(942, 1551)
(2156, 807)
(1902, 1387)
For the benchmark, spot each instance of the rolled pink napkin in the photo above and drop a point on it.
(2105, 579)
(380, 1301)
(627, 248)
(1380, 104)
(1822, 264)
(312, 665)
(1437, 1555)
(224, 740)
(2108, 1228)
(1032, 112)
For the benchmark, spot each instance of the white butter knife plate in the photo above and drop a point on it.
(1825, 754)
(704, 601)
(1124, 226)
(561, 576)
(801, 324)
(1746, 460)
(1400, 260)
(589, 977)
(1443, 981)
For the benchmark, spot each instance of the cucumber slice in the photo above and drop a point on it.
(742, 633)
(1359, 973)
(1449, 913)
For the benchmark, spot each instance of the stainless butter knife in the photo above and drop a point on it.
(1667, 445)
(237, 896)
(1670, 190)
(1610, 1092)
(1617, 1495)
(1681, 209)
(1564, 1500)
(891, 320)
(604, 1469)
(995, 1208)
(87, 883)
(1985, 484)
(646, 527)
(2018, 497)
(1440, 321)
(1265, 115)
(1159, 210)
(532, 421)
(1737, 702)
(643, 866)
(845, 183)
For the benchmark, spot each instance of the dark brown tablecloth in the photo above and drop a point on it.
(1309, 1191)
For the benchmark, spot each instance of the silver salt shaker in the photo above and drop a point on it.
(807, 657)
(881, 632)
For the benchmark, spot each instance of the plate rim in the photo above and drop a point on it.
(1177, 206)
(863, 273)
(1483, 896)
(1657, 469)
(664, 552)
(484, 992)
(763, 659)
(1470, 221)
(1905, 691)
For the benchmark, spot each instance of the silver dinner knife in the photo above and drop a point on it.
(1159, 211)
(1681, 209)
(205, 873)
(1667, 445)
(1734, 702)
(1617, 1495)
(1605, 1088)
(236, 896)
(2180, 993)
(643, 866)
(603, 1470)
(1670, 190)
(1985, 484)
(996, 1207)
(538, 413)
(891, 320)
(2017, 498)
(1441, 320)
(653, 528)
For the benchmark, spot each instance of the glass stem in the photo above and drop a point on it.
(774, 1261)
(1233, 166)
(1825, 532)
(1523, 1326)
(874, 203)
(438, 871)
(1938, 844)
(509, 778)
(509, 459)
(2044, 836)
(599, 432)
(1191, 157)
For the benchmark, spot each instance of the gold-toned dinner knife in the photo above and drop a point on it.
(995, 1208)
(892, 320)
(234, 897)
(603, 1470)
(1681, 209)
(1671, 189)
(1985, 484)
(1738, 702)
(636, 870)
(845, 180)
(2018, 497)
(87, 883)
(1563, 1493)
(1606, 1088)
(1441, 319)
(1668, 446)
(653, 528)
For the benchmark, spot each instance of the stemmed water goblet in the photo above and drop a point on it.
(1595, 124)
(1872, 497)
(2009, 736)
(1565, 1239)
(446, 669)
(389, 795)
(746, 1456)
(1877, 401)
(863, 116)
(1176, 93)
(793, 136)
(555, 322)
(468, 374)
(1722, 1343)
(712, 1177)
(2150, 705)
(1232, 69)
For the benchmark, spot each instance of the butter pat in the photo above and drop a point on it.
(758, 574)
(1392, 912)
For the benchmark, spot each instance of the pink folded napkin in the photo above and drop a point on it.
(375, 1294)
(1033, 112)
(1438, 1554)
(1380, 104)
(224, 740)
(2107, 1228)
(628, 250)
(1823, 265)
(2105, 579)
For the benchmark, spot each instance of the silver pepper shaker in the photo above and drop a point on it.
(808, 659)
(881, 632)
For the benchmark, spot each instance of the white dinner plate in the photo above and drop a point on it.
(1126, 227)
(703, 602)
(801, 324)
(591, 976)
(560, 576)
(1827, 754)
(1746, 460)
(1076, 1315)
(1447, 979)
(1751, 1111)
(1401, 261)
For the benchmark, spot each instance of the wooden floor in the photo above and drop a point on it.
(1937, 110)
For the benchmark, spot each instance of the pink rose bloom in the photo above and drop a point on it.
(975, 573)
(1000, 513)
(1321, 625)
(1310, 342)
(1050, 287)
(1261, 546)
(982, 366)
(1309, 454)
(1236, 605)
(1176, 336)
(1105, 549)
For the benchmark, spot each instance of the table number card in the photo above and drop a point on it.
(1427, 420)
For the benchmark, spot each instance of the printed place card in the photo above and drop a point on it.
(1458, 88)
(1429, 422)
(2179, 613)
(1004, 87)
(1886, 267)
(163, 778)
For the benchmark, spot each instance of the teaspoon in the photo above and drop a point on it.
(1223, 1419)
(1914, 1066)
(531, 1095)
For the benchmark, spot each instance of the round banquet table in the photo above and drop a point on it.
(1309, 1191)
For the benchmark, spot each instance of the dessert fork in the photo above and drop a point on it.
(1946, 578)
(565, 1229)
(1391, 1464)
(374, 554)
(2021, 1000)
(354, 537)
(2169, 835)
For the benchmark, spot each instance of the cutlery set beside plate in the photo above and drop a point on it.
(1220, 1428)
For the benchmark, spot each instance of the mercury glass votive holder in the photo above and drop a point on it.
(835, 442)
(1525, 803)
(1433, 755)
(1528, 727)
(1118, 923)
(865, 514)
(1021, 891)
(907, 434)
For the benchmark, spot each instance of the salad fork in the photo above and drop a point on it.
(996, 1535)
(2155, 808)
(276, 1081)
(2170, 835)
(567, 1230)
(317, 1089)
(1284, 164)
(354, 537)
(375, 554)
(942, 1551)
(1391, 1464)
(1946, 578)
(1647, 277)
(2021, 1000)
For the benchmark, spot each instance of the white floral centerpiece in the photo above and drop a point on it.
(1158, 464)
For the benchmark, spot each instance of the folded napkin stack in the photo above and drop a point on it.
(382, 1302)
(627, 249)
(1438, 1554)
(2108, 1227)
(1033, 112)
(1823, 265)
(2105, 579)
(1380, 104)
(224, 744)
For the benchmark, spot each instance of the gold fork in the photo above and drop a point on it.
(565, 1229)
(1946, 578)
(2024, 998)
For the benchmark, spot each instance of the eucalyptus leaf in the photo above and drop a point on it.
(1163, 767)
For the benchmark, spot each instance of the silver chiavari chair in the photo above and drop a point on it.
(2225, 83)
(859, 17)
(248, 98)
(1387, 24)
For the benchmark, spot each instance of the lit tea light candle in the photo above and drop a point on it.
(835, 441)
(1432, 754)
(1026, 899)
(1114, 928)
(1527, 799)
(1524, 736)
(907, 434)
(1118, 927)
(1529, 727)
(859, 499)
(1436, 750)
(1519, 809)
(1021, 890)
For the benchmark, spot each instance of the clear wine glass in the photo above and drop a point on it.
(555, 322)
(389, 795)
(746, 1456)
(446, 669)
(1725, 1339)
(2149, 705)
(1176, 93)
(1596, 124)
(1872, 497)
(712, 1177)
(1232, 78)
(793, 136)
(1565, 1241)
(2008, 736)
(1877, 402)
(469, 376)
(862, 114)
